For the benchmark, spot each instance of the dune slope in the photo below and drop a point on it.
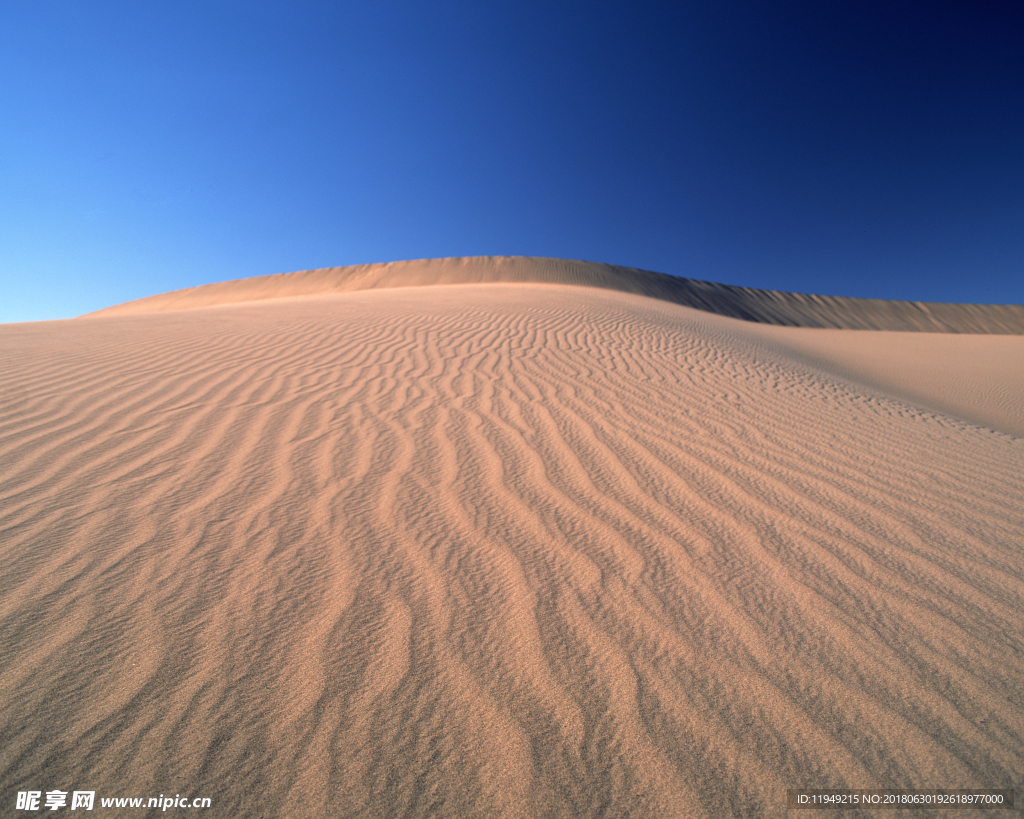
(493, 550)
(750, 304)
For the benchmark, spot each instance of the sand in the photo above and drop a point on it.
(505, 550)
(750, 304)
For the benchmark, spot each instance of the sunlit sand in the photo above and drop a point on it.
(471, 541)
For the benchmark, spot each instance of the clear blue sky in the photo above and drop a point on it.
(852, 148)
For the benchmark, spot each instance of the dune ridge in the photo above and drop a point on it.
(501, 550)
(749, 304)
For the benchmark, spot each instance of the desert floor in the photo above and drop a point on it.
(506, 550)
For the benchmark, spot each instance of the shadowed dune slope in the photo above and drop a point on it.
(499, 550)
(766, 306)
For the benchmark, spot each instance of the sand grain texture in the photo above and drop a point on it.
(505, 550)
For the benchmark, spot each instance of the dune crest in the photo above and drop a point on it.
(504, 550)
(749, 304)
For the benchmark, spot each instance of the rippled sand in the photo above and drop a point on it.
(502, 550)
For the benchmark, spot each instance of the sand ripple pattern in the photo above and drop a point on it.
(493, 550)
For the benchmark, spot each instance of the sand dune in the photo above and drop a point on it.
(750, 304)
(503, 550)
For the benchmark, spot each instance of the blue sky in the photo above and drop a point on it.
(849, 148)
